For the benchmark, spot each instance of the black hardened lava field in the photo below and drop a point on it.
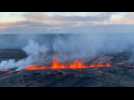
(121, 73)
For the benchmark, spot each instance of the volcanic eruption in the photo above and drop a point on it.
(57, 65)
(72, 59)
(63, 52)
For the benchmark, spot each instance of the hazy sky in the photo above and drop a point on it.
(64, 22)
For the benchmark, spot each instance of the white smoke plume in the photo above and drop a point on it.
(35, 53)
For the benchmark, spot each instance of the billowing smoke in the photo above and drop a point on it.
(36, 55)
(67, 47)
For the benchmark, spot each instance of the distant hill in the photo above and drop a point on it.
(16, 54)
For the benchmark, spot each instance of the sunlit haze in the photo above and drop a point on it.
(63, 22)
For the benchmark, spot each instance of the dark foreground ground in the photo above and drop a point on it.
(120, 74)
(89, 78)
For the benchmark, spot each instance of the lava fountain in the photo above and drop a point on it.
(56, 65)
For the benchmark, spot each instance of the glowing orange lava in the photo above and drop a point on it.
(57, 65)
(36, 68)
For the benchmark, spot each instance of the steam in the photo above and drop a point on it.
(35, 53)
(69, 47)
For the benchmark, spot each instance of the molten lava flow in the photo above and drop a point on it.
(77, 64)
(99, 65)
(36, 68)
(57, 65)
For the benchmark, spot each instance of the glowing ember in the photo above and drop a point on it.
(57, 65)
